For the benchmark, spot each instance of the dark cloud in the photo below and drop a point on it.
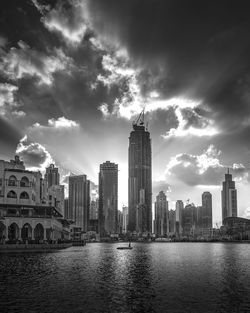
(199, 49)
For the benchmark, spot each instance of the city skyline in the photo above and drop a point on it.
(74, 75)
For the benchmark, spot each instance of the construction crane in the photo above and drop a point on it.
(140, 119)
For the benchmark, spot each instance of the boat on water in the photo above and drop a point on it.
(124, 248)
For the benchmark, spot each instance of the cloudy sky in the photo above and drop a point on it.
(75, 74)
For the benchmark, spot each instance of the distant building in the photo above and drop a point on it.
(161, 215)
(172, 222)
(52, 176)
(228, 197)
(140, 179)
(207, 210)
(120, 222)
(125, 219)
(93, 211)
(178, 214)
(237, 228)
(56, 197)
(108, 199)
(189, 219)
(66, 208)
(79, 200)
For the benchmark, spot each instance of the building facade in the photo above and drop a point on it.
(228, 197)
(207, 214)
(52, 176)
(140, 179)
(161, 215)
(23, 214)
(79, 201)
(125, 219)
(108, 199)
(178, 216)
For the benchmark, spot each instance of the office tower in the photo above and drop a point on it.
(79, 200)
(161, 215)
(207, 210)
(228, 197)
(189, 218)
(56, 197)
(172, 222)
(108, 199)
(120, 222)
(125, 219)
(140, 178)
(52, 176)
(178, 213)
(66, 208)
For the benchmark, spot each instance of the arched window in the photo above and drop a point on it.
(24, 182)
(11, 194)
(12, 181)
(24, 195)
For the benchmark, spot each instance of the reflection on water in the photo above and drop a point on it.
(155, 277)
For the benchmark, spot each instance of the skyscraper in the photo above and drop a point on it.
(206, 210)
(79, 200)
(161, 215)
(52, 176)
(140, 178)
(108, 199)
(178, 214)
(125, 219)
(228, 197)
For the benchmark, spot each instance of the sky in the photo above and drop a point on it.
(75, 74)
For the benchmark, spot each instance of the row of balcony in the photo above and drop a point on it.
(19, 183)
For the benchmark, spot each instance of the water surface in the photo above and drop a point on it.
(154, 277)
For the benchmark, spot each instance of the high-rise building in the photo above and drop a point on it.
(79, 200)
(189, 217)
(228, 197)
(206, 210)
(56, 197)
(161, 215)
(140, 178)
(172, 222)
(108, 199)
(125, 219)
(178, 213)
(52, 176)
(120, 222)
(66, 208)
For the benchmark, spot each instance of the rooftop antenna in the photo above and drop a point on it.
(228, 170)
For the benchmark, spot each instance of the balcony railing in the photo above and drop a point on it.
(19, 184)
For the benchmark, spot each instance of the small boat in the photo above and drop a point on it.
(124, 248)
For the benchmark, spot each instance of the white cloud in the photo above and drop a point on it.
(62, 122)
(71, 24)
(7, 97)
(34, 155)
(18, 113)
(204, 169)
(25, 61)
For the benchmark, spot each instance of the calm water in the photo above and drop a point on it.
(156, 277)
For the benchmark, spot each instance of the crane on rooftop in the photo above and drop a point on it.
(140, 121)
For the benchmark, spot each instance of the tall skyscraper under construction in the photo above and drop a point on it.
(140, 178)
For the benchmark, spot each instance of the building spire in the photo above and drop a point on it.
(228, 170)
